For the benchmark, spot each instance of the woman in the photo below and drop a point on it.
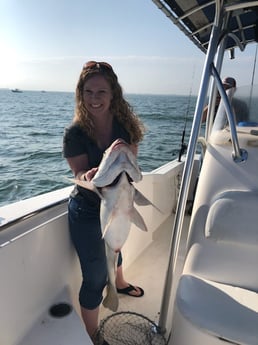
(101, 116)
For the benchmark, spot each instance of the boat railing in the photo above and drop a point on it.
(18, 211)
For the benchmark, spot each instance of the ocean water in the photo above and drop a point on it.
(31, 131)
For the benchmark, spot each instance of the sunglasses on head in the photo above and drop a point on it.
(97, 65)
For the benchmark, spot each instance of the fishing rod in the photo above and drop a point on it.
(252, 83)
(183, 147)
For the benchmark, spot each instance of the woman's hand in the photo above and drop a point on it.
(88, 176)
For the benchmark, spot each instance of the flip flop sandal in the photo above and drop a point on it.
(127, 290)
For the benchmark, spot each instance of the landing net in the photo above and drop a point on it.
(128, 328)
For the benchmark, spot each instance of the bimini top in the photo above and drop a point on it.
(196, 17)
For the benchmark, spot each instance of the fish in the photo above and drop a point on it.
(113, 183)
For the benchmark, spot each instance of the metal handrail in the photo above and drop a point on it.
(187, 172)
(238, 154)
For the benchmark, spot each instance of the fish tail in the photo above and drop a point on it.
(111, 299)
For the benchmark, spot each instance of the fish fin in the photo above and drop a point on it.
(105, 230)
(107, 225)
(111, 299)
(137, 219)
(87, 185)
(141, 200)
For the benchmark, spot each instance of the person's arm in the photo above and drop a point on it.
(80, 167)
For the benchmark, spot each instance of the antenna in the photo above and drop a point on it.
(252, 83)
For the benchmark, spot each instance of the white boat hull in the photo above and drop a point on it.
(39, 267)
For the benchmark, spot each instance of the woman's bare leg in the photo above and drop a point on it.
(121, 283)
(90, 319)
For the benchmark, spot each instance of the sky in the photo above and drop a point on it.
(45, 43)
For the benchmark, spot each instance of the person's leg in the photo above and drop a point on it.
(90, 319)
(87, 239)
(123, 285)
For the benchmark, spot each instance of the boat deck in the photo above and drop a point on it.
(149, 271)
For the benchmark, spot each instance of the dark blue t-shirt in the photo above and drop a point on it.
(76, 142)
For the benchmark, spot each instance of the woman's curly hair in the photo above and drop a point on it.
(119, 107)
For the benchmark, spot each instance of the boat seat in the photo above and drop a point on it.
(233, 217)
(225, 263)
(218, 290)
(226, 248)
(226, 312)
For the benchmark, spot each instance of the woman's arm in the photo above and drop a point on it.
(80, 167)
(78, 164)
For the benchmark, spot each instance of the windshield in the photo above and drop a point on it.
(245, 104)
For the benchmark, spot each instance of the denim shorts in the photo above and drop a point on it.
(86, 235)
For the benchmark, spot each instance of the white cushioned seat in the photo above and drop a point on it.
(218, 290)
(233, 217)
(226, 263)
(227, 312)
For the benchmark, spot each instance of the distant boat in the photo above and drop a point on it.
(16, 90)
